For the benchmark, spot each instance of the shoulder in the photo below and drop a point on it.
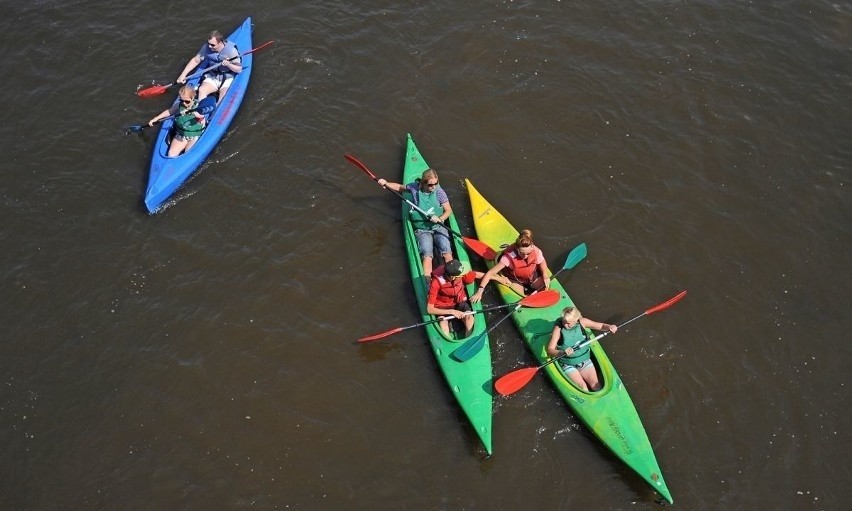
(230, 49)
(442, 196)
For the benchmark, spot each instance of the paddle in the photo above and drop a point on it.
(471, 347)
(575, 256)
(517, 379)
(475, 245)
(156, 90)
(205, 106)
(542, 300)
(474, 345)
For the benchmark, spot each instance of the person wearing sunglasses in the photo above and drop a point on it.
(189, 122)
(217, 50)
(570, 331)
(447, 296)
(431, 234)
(520, 266)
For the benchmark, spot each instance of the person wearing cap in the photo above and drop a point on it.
(568, 332)
(447, 296)
(521, 266)
(430, 232)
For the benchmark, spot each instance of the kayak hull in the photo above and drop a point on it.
(166, 175)
(609, 413)
(470, 382)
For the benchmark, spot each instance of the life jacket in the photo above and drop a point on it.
(450, 291)
(569, 338)
(428, 202)
(185, 123)
(212, 58)
(518, 269)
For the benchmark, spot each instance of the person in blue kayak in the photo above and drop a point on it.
(190, 116)
(428, 195)
(217, 50)
(447, 296)
(568, 332)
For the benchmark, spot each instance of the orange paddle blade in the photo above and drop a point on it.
(665, 305)
(515, 381)
(154, 90)
(480, 248)
(545, 298)
(380, 335)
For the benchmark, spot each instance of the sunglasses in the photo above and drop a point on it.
(432, 185)
(186, 101)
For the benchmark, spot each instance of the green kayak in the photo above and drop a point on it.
(609, 413)
(471, 382)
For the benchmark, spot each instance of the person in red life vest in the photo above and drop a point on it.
(521, 267)
(429, 231)
(447, 296)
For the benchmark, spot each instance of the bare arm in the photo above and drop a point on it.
(597, 325)
(554, 339)
(437, 311)
(397, 187)
(448, 210)
(545, 273)
(162, 115)
(477, 296)
(192, 64)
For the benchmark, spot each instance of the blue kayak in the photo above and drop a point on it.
(168, 174)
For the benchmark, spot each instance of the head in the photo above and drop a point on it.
(570, 316)
(429, 180)
(454, 269)
(524, 243)
(186, 94)
(216, 41)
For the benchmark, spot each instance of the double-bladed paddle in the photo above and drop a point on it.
(539, 300)
(156, 90)
(517, 379)
(471, 347)
(475, 245)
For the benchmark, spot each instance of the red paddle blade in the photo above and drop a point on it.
(665, 305)
(154, 90)
(479, 248)
(515, 381)
(545, 298)
(381, 335)
(355, 161)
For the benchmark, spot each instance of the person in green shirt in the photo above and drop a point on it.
(430, 232)
(189, 123)
(568, 332)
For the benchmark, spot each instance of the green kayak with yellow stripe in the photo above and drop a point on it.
(609, 412)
